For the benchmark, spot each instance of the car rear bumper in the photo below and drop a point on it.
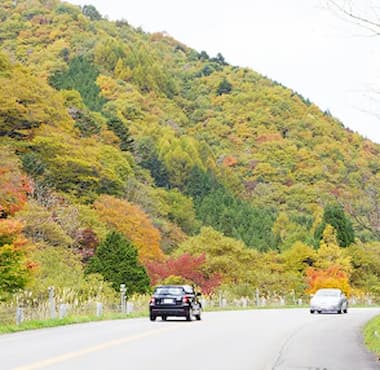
(169, 310)
(325, 309)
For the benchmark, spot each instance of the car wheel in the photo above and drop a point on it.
(312, 311)
(164, 318)
(198, 316)
(189, 315)
(152, 318)
(345, 310)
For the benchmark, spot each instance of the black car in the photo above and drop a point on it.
(175, 300)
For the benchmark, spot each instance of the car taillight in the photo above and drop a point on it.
(185, 299)
(152, 300)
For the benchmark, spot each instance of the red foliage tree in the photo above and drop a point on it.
(86, 242)
(188, 267)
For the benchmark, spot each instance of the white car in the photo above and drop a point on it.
(329, 300)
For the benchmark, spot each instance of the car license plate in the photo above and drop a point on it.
(168, 300)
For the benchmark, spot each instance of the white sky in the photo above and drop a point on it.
(299, 43)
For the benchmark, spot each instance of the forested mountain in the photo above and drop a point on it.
(104, 128)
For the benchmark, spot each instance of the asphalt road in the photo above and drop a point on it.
(290, 339)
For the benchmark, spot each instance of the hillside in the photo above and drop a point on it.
(104, 126)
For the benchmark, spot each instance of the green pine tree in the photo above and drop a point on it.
(224, 87)
(122, 132)
(91, 12)
(116, 260)
(334, 215)
(81, 76)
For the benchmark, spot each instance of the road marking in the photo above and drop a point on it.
(14, 337)
(85, 351)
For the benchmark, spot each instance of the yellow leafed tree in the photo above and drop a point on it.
(134, 223)
(332, 267)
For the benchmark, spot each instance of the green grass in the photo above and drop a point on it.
(40, 324)
(372, 335)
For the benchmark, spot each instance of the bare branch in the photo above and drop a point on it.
(345, 8)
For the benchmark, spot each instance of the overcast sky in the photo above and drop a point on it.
(299, 43)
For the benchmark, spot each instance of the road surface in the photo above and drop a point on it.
(287, 339)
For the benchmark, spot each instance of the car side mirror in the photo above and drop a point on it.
(199, 294)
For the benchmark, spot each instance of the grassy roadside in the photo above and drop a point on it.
(40, 324)
(372, 341)
(372, 335)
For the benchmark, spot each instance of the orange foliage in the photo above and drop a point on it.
(332, 277)
(14, 186)
(268, 137)
(229, 161)
(14, 191)
(9, 227)
(11, 236)
(134, 223)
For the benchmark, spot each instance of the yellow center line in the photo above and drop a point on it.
(85, 351)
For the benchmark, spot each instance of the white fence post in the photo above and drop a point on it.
(62, 310)
(130, 307)
(19, 315)
(257, 297)
(203, 303)
(51, 302)
(123, 290)
(99, 309)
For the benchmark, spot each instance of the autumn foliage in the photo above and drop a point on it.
(106, 128)
(14, 186)
(229, 161)
(133, 223)
(15, 267)
(86, 243)
(186, 266)
(332, 277)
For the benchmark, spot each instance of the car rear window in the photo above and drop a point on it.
(169, 291)
(328, 293)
